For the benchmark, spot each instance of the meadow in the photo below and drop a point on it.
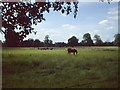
(92, 67)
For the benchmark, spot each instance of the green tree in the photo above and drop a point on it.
(36, 43)
(18, 17)
(117, 39)
(31, 42)
(98, 40)
(60, 44)
(87, 39)
(73, 41)
(47, 41)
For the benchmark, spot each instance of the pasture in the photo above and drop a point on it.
(92, 67)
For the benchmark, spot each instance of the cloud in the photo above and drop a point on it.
(96, 31)
(113, 13)
(110, 28)
(104, 22)
(113, 17)
(70, 27)
(67, 26)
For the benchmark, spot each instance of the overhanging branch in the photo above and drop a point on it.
(1, 31)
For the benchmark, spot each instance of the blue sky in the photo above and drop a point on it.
(93, 17)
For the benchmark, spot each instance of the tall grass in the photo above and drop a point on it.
(93, 67)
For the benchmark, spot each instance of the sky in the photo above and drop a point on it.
(93, 17)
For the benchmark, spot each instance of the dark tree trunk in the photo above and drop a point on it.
(12, 38)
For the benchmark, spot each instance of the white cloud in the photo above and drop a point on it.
(70, 27)
(110, 28)
(104, 22)
(113, 11)
(96, 31)
(113, 17)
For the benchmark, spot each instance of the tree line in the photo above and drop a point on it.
(73, 41)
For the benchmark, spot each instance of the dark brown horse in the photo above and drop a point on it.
(70, 50)
(45, 48)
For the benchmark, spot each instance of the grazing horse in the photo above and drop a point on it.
(47, 48)
(44, 48)
(70, 50)
(51, 48)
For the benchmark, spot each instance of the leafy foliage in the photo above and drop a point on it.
(18, 17)
(87, 39)
(73, 41)
(47, 41)
(98, 40)
(117, 40)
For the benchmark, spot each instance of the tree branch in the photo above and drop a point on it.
(1, 31)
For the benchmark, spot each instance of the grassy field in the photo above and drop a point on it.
(93, 67)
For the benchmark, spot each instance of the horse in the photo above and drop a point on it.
(44, 48)
(70, 50)
(47, 48)
(51, 48)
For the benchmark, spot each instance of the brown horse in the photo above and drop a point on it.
(46, 48)
(70, 50)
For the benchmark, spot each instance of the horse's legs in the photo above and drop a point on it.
(74, 53)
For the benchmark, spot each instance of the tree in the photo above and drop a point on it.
(60, 44)
(108, 43)
(107, 0)
(117, 39)
(73, 41)
(31, 42)
(0, 43)
(18, 17)
(47, 42)
(27, 43)
(87, 39)
(36, 43)
(98, 40)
